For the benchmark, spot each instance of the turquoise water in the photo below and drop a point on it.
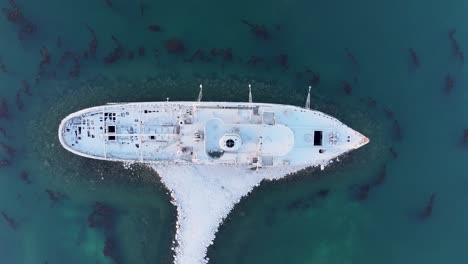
(279, 222)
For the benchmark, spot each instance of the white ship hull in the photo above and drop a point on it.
(247, 134)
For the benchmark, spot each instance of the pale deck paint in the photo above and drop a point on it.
(186, 132)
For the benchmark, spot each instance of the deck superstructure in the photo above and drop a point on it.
(232, 133)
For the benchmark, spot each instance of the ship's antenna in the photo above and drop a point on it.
(200, 94)
(308, 100)
(250, 93)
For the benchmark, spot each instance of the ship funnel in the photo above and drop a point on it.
(250, 93)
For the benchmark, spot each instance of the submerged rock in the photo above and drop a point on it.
(10, 221)
(102, 216)
(464, 139)
(174, 46)
(4, 113)
(24, 176)
(55, 196)
(427, 211)
(4, 163)
(380, 178)
(361, 193)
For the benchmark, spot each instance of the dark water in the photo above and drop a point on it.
(364, 43)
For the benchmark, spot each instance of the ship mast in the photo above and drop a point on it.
(250, 93)
(200, 94)
(308, 100)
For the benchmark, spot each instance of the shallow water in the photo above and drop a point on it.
(265, 227)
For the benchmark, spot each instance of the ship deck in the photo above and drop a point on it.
(253, 134)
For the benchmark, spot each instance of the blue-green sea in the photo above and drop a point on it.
(392, 70)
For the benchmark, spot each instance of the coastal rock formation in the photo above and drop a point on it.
(204, 196)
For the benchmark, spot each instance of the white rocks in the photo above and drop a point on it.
(204, 196)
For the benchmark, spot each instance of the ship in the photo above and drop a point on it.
(250, 134)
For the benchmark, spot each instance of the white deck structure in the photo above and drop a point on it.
(208, 133)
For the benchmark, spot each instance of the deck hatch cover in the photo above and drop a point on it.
(318, 136)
